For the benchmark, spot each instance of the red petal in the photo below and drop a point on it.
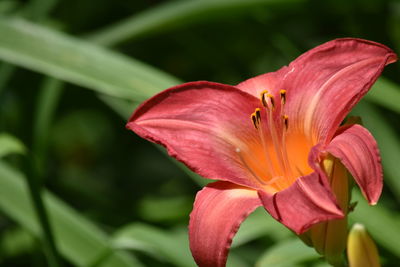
(303, 204)
(324, 83)
(218, 211)
(202, 124)
(327, 81)
(309, 200)
(358, 151)
(260, 83)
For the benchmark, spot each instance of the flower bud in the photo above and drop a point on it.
(361, 249)
(329, 238)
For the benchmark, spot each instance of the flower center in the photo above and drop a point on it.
(281, 156)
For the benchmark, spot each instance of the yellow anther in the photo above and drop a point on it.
(271, 98)
(283, 96)
(258, 114)
(285, 121)
(254, 120)
(263, 99)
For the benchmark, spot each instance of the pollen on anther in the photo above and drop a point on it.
(285, 121)
(254, 120)
(258, 114)
(263, 99)
(271, 98)
(283, 96)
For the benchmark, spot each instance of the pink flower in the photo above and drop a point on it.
(265, 139)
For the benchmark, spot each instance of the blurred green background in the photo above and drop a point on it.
(113, 199)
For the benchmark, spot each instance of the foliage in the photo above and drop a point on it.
(113, 199)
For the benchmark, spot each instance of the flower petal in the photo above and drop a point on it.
(358, 151)
(202, 124)
(217, 214)
(326, 82)
(309, 200)
(323, 84)
(303, 204)
(260, 83)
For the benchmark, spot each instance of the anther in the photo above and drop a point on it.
(254, 120)
(258, 115)
(285, 121)
(271, 98)
(283, 96)
(263, 99)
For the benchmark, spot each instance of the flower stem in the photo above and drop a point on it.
(36, 195)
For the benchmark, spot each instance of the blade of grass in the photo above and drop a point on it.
(386, 94)
(80, 62)
(287, 253)
(6, 71)
(38, 9)
(171, 247)
(176, 14)
(10, 145)
(78, 240)
(15, 241)
(257, 225)
(35, 193)
(48, 98)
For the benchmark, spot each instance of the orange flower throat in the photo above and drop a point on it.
(282, 155)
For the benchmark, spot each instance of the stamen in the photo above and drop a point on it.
(275, 140)
(283, 96)
(285, 157)
(239, 152)
(263, 99)
(254, 120)
(285, 121)
(258, 115)
(271, 100)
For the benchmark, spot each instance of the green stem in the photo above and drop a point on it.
(6, 71)
(48, 99)
(36, 195)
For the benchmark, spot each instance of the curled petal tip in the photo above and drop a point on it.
(306, 202)
(358, 151)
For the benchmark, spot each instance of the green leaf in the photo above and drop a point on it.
(80, 62)
(158, 209)
(257, 225)
(10, 145)
(7, 6)
(16, 241)
(176, 14)
(287, 254)
(171, 247)
(78, 240)
(383, 224)
(386, 94)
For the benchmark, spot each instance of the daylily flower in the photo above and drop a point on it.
(265, 139)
